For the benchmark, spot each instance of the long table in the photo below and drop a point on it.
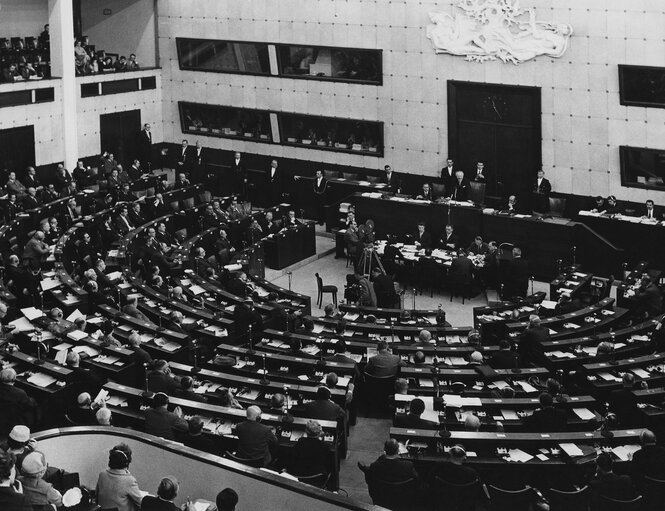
(290, 246)
(543, 241)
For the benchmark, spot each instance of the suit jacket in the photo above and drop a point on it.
(453, 240)
(30, 202)
(517, 278)
(544, 188)
(162, 422)
(648, 461)
(407, 420)
(461, 268)
(118, 488)
(310, 456)
(255, 440)
(460, 189)
(541, 196)
(502, 359)
(448, 178)
(611, 485)
(475, 249)
(425, 239)
(384, 364)
(145, 146)
(384, 288)
(183, 158)
(651, 299)
(392, 182)
(11, 500)
(624, 403)
(455, 474)
(151, 503)
(546, 419)
(323, 409)
(530, 343)
(390, 470)
(162, 382)
(320, 188)
(31, 182)
(123, 225)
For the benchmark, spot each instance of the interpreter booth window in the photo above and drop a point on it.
(642, 168)
(642, 86)
(223, 56)
(324, 63)
(225, 121)
(332, 134)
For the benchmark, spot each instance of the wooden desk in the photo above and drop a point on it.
(290, 246)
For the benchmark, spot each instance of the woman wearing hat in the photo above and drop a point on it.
(116, 486)
(19, 444)
(37, 491)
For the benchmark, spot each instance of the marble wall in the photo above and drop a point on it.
(583, 123)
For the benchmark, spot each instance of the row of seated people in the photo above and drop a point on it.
(30, 482)
(25, 58)
(88, 60)
(453, 474)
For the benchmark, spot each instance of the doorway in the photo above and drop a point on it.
(119, 134)
(17, 148)
(499, 125)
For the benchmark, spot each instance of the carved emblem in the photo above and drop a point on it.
(496, 29)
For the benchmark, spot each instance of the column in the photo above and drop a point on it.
(61, 21)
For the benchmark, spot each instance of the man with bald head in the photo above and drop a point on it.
(389, 466)
(648, 461)
(255, 440)
(17, 407)
(36, 250)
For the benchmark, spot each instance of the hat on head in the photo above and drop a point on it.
(33, 464)
(20, 433)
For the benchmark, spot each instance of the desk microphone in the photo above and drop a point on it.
(264, 380)
(196, 368)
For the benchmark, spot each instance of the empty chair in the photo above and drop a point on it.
(557, 206)
(256, 463)
(438, 190)
(324, 289)
(465, 495)
(577, 500)
(477, 193)
(509, 500)
(396, 496)
(610, 504)
(653, 493)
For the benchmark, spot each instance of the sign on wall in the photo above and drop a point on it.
(483, 30)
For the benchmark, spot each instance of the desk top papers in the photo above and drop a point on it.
(583, 413)
(42, 380)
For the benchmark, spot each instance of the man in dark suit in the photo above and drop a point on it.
(145, 146)
(517, 276)
(182, 163)
(122, 223)
(547, 417)
(31, 180)
(255, 440)
(383, 363)
(512, 207)
(322, 408)
(422, 238)
(649, 460)
(448, 176)
(160, 378)
(17, 407)
(412, 420)
(478, 247)
(504, 358)
(650, 211)
(384, 288)
(541, 193)
(461, 271)
(198, 164)
(425, 193)
(453, 469)
(239, 173)
(391, 179)
(140, 357)
(460, 187)
(449, 240)
(340, 354)
(30, 200)
(268, 225)
(649, 298)
(159, 421)
(389, 467)
(530, 342)
(320, 187)
(624, 403)
(606, 483)
(274, 184)
(480, 175)
(196, 439)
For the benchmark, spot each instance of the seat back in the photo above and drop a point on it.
(319, 480)
(569, 501)
(378, 390)
(319, 282)
(654, 494)
(477, 193)
(438, 190)
(465, 495)
(557, 206)
(396, 496)
(610, 504)
(508, 500)
(256, 463)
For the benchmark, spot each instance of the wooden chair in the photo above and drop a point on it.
(377, 391)
(559, 500)
(654, 494)
(319, 480)
(438, 190)
(397, 496)
(509, 500)
(252, 462)
(323, 290)
(610, 504)
(465, 495)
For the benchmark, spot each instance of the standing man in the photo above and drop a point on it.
(274, 184)
(197, 164)
(145, 146)
(182, 158)
(460, 187)
(448, 176)
(239, 177)
(391, 179)
(320, 186)
(541, 193)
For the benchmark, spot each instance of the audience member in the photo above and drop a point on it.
(116, 486)
(255, 440)
(389, 467)
(167, 491)
(12, 497)
(159, 421)
(37, 491)
(226, 500)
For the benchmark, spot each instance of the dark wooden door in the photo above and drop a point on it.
(119, 134)
(17, 149)
(500, 126)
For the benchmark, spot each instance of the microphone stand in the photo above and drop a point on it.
(574, 255)
(613, 360)
(264, 380)
(196, 369)
(287, 417)
(250, 351)
(290, 275)
(320, 362)
(392, 331)
(414, 299)
(532, 279)
(146, 393)
(517, 369)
